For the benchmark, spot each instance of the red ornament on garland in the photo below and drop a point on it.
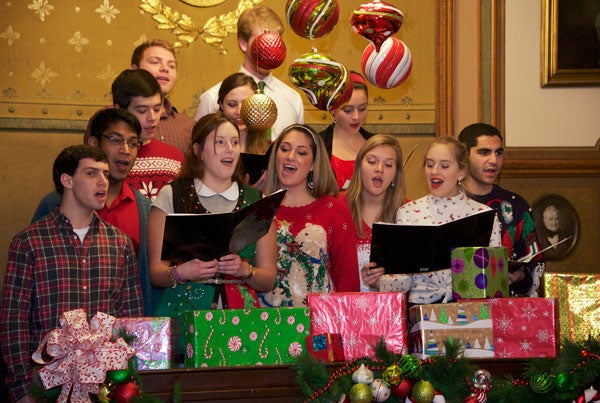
(388, 67)
(268, 51)
(376, 21)
(126, 392)
(403, 389)
(312, 18)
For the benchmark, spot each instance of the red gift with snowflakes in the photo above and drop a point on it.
(257, 336)
(361, 319)
(151, 340)
(525, 327)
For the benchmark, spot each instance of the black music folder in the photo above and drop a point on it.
(255, 164)
(210, 236)
(421, 248)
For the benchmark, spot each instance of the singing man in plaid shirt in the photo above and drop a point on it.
(69, 259)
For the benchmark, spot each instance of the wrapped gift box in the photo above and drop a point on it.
(256, 336)
(326, 347)
(525, 327)
(362, 319)
(469, 321)
(152, 343)
(479, 272)
(579, 306)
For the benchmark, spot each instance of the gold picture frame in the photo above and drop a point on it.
(567, 28)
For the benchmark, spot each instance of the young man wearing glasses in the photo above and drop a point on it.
(116, 132)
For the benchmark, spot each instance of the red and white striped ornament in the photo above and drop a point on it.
(389, 67)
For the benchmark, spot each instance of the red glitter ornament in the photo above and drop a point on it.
(376, 21)
(126, 392)
(268, 51)
(403, 389)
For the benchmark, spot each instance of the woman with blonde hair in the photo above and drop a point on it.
(315, 234)
(375, 194)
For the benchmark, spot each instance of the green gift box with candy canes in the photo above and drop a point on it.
(233, 337)
(479, 272)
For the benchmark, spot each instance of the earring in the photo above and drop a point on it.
(460, 182)
(309, 181)
(393, 184)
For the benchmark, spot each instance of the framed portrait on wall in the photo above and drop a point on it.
(557, 225)
(570, 43)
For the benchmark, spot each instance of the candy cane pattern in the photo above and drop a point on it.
(223, 319)
(278, 319)
(209, 355)
(279, 361)
(262, 343)
(223, 361)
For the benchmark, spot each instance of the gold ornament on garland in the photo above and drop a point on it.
(423, 392)
(361, 393)
(258, 111)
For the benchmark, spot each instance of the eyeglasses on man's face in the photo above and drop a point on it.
(120, 142)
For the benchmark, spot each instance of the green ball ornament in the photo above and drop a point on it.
(392, 375)
(423, 392)
(361, 393)
(118, 375)
(541, 383)
(410, 366)
(564, 382)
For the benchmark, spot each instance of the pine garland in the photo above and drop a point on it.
(561, 379)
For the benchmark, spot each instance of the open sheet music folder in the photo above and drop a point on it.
(422, 248)
(210, 236)
(255, 164)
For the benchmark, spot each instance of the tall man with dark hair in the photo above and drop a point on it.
(486, 156)
(158, 57)
(116, 132)
(70, 259)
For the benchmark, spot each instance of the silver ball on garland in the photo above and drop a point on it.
(482, 380)
(381, 391)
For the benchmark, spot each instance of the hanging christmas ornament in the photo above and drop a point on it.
(268, 51)
(325, 82)
(388, 67)
(103, 394)
(423, 392)
(360, 393)
(410, 366)
(392, 375)
(118, 375)
(312, 18)
(362, 375)
(482, 380)
(376, 21)
(402, 390)
(126, 392)
(381, 391)
(258, 111)
(541, 383)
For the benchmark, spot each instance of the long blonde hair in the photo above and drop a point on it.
(394, 195)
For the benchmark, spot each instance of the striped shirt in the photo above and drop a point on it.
(49, 272)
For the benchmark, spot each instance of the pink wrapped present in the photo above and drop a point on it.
(362, 319)
(525, 327)
(152, 343)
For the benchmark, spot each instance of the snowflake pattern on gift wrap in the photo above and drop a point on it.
(362, 304)
(529, 312)
(543, 336)
(351, 341)
(504, 323)
(525, 345)
(504, 353)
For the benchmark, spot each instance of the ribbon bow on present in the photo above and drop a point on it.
(81, 354)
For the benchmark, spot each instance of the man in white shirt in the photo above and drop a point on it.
(290, 109)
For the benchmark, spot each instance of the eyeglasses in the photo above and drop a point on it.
(119, 142)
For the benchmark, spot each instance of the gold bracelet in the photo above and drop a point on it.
(251, 271)
(172, 277)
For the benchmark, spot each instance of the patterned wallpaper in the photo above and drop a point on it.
(58, 58)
